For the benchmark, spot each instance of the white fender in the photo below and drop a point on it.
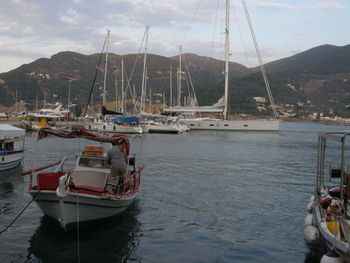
(63, 188)
(311, 234)
(312, 198)
(330, 257)
(308, 220)
(310, 206)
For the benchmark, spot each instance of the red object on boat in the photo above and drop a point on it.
(49, 181)
(326, 202)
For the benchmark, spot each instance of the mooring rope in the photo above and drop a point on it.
(78, 229)
(20, 213)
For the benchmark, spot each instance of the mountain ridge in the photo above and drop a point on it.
(316, 78)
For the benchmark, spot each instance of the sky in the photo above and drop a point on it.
(32, 29)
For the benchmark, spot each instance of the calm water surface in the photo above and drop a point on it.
(206, 197)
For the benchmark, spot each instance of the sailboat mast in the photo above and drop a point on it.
(143, 87)
(37, 102)
(92, 104)
(227, 48)
(116, 92)
(171, 86)
(122, 110)
(150, 100)
(16, 102)
(179, 79)
(104, 99)
(68, 102)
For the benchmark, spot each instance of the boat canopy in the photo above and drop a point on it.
(10, 132)
(127, 119)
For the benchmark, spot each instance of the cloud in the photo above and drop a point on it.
(273, 5)
(325, 5)
(299, 34)
(320, 5)
(13, 51)
(45, 27)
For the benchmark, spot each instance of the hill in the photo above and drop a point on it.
(314, 81)
(320, 75)
(53, 76)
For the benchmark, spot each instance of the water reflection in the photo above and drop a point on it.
(8, 180)
(111, 240)
(315, 253)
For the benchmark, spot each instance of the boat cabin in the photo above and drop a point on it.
(93, 156)
(11, 146)
(92, 169)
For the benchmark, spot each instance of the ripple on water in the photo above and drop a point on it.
(206, 197)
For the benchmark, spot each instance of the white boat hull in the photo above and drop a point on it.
(110, 127)
(163, 129)
(231, 125)
(77, 207)
(10, 161)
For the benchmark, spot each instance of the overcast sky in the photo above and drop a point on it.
(31, 29)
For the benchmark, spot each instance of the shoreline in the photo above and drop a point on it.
(327, 122)
(17, 122)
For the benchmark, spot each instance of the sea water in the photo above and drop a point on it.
(205, 196)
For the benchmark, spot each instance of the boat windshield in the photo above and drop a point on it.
(93, 162)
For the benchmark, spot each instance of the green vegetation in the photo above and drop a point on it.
(318, 80)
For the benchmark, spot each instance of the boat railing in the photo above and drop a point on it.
(33, 171)
(6, 152)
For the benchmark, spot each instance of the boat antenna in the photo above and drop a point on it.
(267, 85)
(93, 83)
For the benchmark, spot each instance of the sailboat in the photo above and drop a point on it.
(154, 123)
(108, 126)
(222, 106)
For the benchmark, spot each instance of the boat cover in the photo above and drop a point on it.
(105, 111)
(8, 132)
(128, 119)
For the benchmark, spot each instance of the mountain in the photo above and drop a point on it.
(53, 76)
(325, 60)
(315, 80)
(321, 75)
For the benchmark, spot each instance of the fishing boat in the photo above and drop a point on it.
(11, 146)
(86, 192)
(329, 209)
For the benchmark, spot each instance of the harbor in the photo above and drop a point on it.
(148, 131)
(246, 206)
